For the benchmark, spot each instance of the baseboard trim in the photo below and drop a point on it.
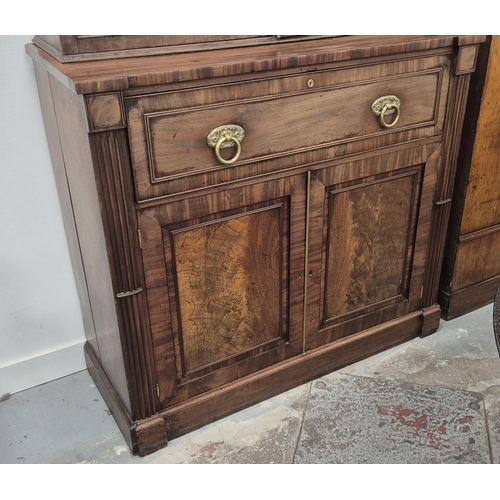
(41, 369)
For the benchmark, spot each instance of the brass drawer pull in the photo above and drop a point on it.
(387, 105)
(226, 136)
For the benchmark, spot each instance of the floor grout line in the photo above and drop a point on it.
(302, 422)
(488, 435)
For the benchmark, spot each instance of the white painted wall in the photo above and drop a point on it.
(41, 329)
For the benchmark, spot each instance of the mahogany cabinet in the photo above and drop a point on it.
(471, 267)
(243, 219)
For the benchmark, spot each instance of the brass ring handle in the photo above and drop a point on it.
(387, 105)
(226, 136)
(222, 140)
(386, 108)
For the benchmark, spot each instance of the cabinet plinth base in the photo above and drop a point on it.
(143, 437)
(151, 435)
(147, 436)
(430, 320)
(469, 299)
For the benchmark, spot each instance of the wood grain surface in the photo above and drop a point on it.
(482, 203)
(228, 276)
(471, 264)
(280, 116)
(225, 283)
(368, 238)
(104, 76)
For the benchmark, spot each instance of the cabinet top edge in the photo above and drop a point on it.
(98, 76)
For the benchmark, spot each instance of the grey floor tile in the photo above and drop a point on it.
(462, 354)
(359, 420)
(492, 405)
(266, 433)
(430, 400)
(468, 336)
(65, 421)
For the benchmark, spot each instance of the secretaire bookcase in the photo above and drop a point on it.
(247, 213)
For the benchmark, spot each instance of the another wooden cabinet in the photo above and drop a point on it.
(215, 273)
(471, 267)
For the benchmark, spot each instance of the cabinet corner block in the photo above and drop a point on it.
(150, 435)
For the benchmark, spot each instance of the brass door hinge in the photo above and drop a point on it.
(140, 238)
(158, 390)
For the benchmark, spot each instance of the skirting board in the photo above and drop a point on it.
(469, 299)
(41, 369)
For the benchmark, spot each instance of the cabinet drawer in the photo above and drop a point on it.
(281, 116)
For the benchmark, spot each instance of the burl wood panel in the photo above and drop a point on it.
(368, 239)
(353, 251)
(228, 276)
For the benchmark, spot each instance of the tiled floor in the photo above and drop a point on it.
(433, 400)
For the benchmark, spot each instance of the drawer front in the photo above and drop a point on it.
(280, 116)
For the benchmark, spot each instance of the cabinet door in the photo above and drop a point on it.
(225, 284)
(368, 239)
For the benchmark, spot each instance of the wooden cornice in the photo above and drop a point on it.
(90, 77)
